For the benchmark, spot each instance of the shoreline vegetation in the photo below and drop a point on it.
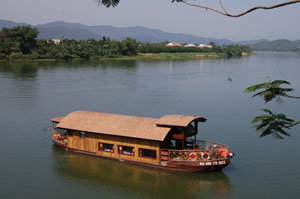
(21, 43)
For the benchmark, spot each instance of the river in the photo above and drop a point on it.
(32, 92)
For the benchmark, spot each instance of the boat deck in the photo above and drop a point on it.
(60, 140)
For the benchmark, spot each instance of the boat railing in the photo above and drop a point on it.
(60, 138)
(204, 145)
(196, 150)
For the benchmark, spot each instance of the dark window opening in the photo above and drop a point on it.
(59, 130)
(82, 134)
(106, 147)
(127, 150)
(54, 125)
(148, 153)
(70, 133)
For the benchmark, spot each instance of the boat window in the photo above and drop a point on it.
(106, 147)
(54, 125)
(59, 130)
(70, 133)
(127, 150)
(82, 134)
(173, 143)
(148, 153)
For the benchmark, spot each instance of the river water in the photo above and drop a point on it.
(33, 92)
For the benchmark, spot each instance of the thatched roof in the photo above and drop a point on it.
(123, 125)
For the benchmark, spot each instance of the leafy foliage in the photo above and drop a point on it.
(236, 50)
(18, 39)
(273, 124)
(271, 89)
(108, 3)
(162, 48)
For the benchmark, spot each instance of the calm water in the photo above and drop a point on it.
(33, 92)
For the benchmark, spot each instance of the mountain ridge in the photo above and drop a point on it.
(61, 29)
(276, 45)
(78, 31)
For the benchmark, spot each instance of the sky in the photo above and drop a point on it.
(280, 23)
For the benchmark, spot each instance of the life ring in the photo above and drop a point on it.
(205, 156)
(223, 152)
(193, 156)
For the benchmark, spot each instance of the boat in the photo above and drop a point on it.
(168, 142)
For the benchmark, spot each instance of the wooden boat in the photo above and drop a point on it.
(168, 142)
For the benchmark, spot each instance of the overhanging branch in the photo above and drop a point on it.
(243, 13)
(290, 96)
(296, 123)
(221, 4)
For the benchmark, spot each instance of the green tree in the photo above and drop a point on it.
(212, 43)
(129, 47)
(18, 39)
(24, 37)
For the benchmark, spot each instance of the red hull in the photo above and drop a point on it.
(58, 143)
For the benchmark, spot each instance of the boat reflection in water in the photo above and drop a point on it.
(143, 181)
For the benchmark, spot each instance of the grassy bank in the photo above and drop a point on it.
(143, 56)
(168, 56)
(188, 55)
(172, 56)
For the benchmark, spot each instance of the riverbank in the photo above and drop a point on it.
(167, 56)
(188, 55)
(139, 56)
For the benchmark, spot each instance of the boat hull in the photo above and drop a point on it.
(59, 143)
(181, 166)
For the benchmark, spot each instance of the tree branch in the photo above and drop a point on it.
(293, 124)
(222, 6)
(290, 96)
(243, 13)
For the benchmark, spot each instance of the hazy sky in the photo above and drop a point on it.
(164, 15)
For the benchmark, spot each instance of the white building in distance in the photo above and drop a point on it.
(174, 45)
(205, 46)
(190, 45)
(56, 41)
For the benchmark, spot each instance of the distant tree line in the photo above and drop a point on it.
(229, 51)
(277, 45)
(22, 42)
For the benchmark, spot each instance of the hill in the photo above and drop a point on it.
(61, 29)
(276, 45)
(77, 31)
(10, 24)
